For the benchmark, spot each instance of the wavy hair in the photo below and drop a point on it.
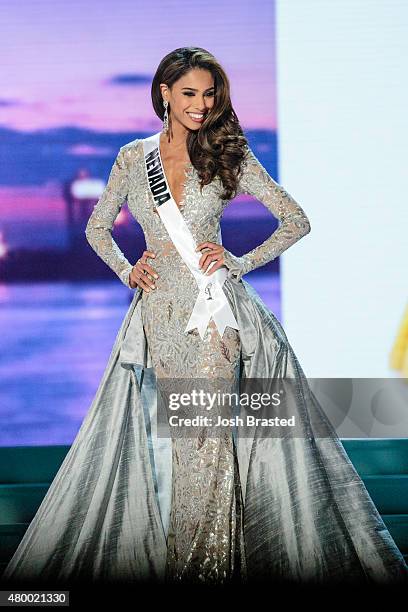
(218, 147)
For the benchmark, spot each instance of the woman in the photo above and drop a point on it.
(129, 504)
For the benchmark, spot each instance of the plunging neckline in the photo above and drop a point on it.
(188, 165)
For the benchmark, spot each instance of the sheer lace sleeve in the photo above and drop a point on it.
(294, 224)
(99, 227)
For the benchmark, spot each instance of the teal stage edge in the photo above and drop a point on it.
(27, 472)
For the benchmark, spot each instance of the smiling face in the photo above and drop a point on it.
(190, 98)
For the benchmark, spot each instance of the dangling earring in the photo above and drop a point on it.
(166, 117)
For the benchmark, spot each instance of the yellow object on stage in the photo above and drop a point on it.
(399, 353)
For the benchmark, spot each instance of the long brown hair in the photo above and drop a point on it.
(218, 147)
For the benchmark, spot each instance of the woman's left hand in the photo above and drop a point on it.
(214, 253)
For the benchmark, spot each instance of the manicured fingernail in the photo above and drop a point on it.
(156, 275)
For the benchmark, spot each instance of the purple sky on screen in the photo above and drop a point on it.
(85, 68)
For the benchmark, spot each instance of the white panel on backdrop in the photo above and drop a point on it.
(342, 121)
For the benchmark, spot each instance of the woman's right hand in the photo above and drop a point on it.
(142, 274)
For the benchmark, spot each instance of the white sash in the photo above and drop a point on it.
(211, 300)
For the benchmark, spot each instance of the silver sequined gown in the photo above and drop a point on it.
(305, 514)
(205, 540)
